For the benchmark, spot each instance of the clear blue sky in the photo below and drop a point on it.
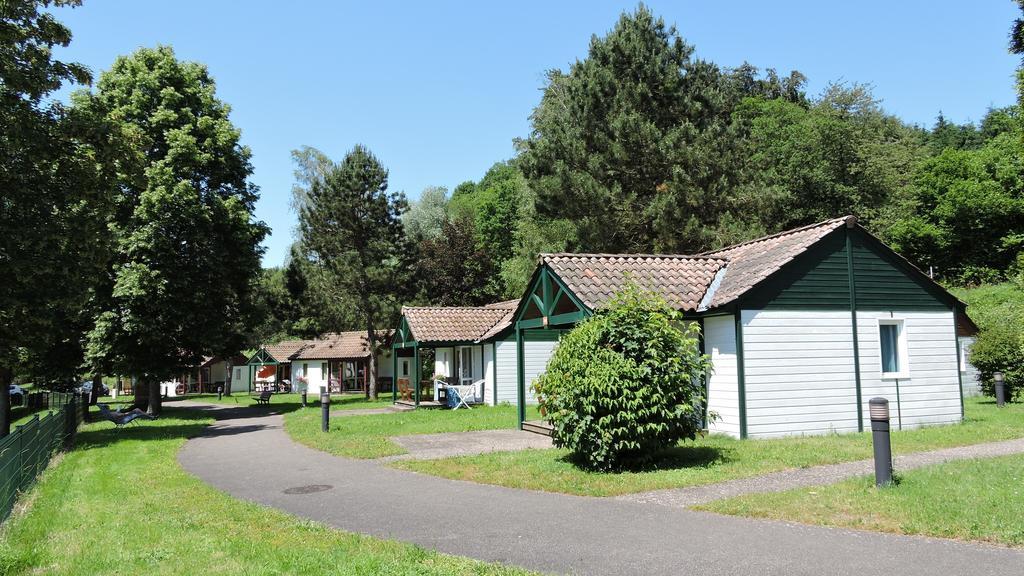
(438, 90)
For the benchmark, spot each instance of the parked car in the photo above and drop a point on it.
(87, 387)
(17, 395)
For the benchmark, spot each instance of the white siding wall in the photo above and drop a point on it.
(489, 373)
(444, 362)
(969, 375)
(240, 378)
(507, 368)
(931, 394)
(535, 362)
(723, 398)
(799, 372)
(316, 378)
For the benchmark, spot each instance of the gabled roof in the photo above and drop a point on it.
(284, 350)
(455, 323)
(751, 262)
(595, 278)
(337, 346)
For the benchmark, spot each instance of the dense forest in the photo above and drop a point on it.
(142, 252)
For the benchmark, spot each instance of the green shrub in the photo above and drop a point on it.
(625, 384)
(999, 349)
(998, 310)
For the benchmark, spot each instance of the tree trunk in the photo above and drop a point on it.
(5, 401)
(371, 366)
(229, 381)
(155, 405)
(141, 394)
(94, 394)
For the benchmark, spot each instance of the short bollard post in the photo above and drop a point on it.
(325, 411)
(879, 410)
(220, 392)
(1000, 385)
(303, 398)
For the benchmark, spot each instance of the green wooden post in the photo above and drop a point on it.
(494, 366)
(520, 377)
(853, 320)
(394, 374)
(741, 382)
(416, 371)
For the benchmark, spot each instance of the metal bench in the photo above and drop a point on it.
(263, 398)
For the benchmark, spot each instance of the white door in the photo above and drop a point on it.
(465, 365)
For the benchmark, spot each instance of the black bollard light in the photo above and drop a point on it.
(325, 411)
(303, 398)
(220, 392)
(879, 410)
(1000, 385)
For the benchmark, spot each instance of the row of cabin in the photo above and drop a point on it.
(802, 328)
(338, 362)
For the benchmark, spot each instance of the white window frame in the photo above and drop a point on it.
(902, 351)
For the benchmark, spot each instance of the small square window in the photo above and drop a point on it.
(893, 347)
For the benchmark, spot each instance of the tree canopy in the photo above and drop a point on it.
(187, 247)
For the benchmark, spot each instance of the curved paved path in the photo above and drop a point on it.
(249, 455)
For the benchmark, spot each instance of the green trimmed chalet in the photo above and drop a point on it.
(802, 327)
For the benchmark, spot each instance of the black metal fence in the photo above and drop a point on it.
(25, 453)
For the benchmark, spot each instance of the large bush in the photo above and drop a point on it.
(998, 310)
(625, 383)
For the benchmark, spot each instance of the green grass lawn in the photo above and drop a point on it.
(288, 401)
(120, 504)
(367, 436)
(717, 458)
(979, 500)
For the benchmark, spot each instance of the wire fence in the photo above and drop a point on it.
(25, 453)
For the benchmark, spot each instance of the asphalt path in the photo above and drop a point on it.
(248, 454)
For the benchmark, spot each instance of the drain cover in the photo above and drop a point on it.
(312, 488)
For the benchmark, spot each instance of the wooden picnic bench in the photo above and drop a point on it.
(264, 397)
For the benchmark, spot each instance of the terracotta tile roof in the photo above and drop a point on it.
(337, 346)
(283, 351)
(751, 262)
(455, 323)
(595, 278)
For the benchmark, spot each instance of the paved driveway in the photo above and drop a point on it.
(249, 455)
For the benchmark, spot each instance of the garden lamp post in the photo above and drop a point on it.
(1000, 385)
(879, 410)
(325, 410)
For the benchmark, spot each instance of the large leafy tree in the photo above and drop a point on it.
(53, 202)
(840, 154)
(453, 269)
(427, 214)
(187, 246)
(351, 229)
(635, 144)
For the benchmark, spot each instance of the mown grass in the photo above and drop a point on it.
(716, 458)
(368, 436)
(120, 504)
(288, 401)
(980, 500)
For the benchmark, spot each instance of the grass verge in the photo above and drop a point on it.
(716, 458)
(288, 401)
(120, 504)
(367, 436)
(979, 500)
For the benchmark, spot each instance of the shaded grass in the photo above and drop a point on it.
(717, 458)
(120, 504)
(367, 436)
(980, 500)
